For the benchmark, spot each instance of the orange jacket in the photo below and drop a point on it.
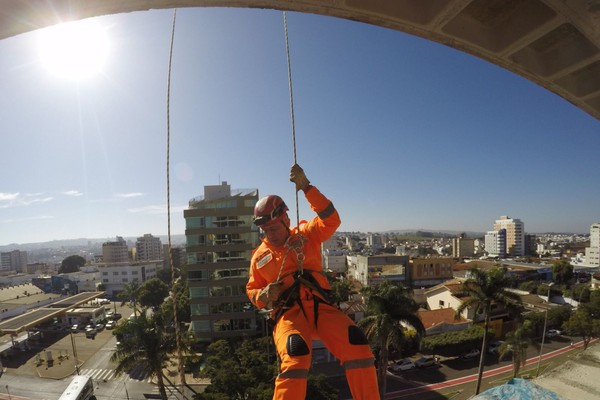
(266, 260)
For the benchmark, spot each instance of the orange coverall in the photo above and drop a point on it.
(298, 326)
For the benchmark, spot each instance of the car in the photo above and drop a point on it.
(402, 365)
(553, 333)
(473, 353)
(90, 333)
(99, 327)
(426, 361)
(75, 328)
(110, 325)
(494, 347)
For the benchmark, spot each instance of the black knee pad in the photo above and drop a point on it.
(296, 346)
(356, 335)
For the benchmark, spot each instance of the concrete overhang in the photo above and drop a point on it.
(554, 43)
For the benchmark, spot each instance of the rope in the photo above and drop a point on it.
(289, 67)
(173, 291)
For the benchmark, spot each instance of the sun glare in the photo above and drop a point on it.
(74, 50)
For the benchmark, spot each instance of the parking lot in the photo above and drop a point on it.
(54, 354)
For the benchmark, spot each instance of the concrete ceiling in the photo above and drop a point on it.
(554, 43)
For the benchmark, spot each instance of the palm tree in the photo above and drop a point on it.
(145, 342)
(517, 342)
(481, 291)
(131, 293)
(391, 312)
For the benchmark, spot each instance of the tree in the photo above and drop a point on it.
(585, 322)
(152, 293)
(144, 342)
(182, 296)
(71, 264)
(562, 271)
(391, 311)
(341, 291)
(481, 290)
(131, 293)
(517, 342)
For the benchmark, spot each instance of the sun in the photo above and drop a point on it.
(74, 50)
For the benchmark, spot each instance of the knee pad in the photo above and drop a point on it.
(356, 335)
(296, 346)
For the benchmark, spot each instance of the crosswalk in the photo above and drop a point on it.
(99, 374)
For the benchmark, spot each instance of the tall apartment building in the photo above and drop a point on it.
(515, 235)
(220, 237)
(15, 260)
(115, 252)
(463, 247)
(148, 248)
(592, 253)
(495, 243)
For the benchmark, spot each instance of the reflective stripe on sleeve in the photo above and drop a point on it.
(294, 374)
(330, 209)
(359, 363)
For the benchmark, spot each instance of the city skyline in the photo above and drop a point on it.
(401, 133)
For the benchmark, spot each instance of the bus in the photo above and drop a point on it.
(80, 388)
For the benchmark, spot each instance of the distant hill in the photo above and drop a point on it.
(176, 240)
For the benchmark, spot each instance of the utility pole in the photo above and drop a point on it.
(75, 353)
(544, 332)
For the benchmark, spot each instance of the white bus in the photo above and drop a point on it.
(80, 388)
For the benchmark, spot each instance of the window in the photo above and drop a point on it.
(442, 303)
(201, 326)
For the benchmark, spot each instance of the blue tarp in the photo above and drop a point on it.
(517, 389)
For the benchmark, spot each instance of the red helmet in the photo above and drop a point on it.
(269, 209)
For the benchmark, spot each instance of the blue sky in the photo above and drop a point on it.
(400, 132)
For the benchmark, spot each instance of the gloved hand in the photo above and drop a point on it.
(270, 293)
(299, 178)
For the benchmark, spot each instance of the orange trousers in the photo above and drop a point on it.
(293, 335)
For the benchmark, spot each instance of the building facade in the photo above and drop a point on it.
(495, 243)
(515, 235)
(148, 248)
(220, 237)
(463, 247)
(430, 271)
(592, 253)
(15, 260)
(115, 252)
(116, 275)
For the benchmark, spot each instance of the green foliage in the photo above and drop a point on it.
(152, 293)
(529, 286)
(341, 290)
(562, 271)
(145, 343)
(182, 294)
(391, 312)
(319, 388)
(556, 317)
(249, 362)
(585, 322)
(452, 344)
(71, 264)
(516, 343)
(480, 291)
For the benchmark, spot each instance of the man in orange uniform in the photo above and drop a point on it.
(286, 276)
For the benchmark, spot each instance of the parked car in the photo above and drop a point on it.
(75, 328)
(553, 333)
(427, 361)
(99, 327)
(494, 347)
(473, 353)
(110, 325)
(402, 365)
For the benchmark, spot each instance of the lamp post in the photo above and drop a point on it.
(544, 332)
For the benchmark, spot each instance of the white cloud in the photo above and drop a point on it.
(129, 195)
(16, 199)
(75, 193)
